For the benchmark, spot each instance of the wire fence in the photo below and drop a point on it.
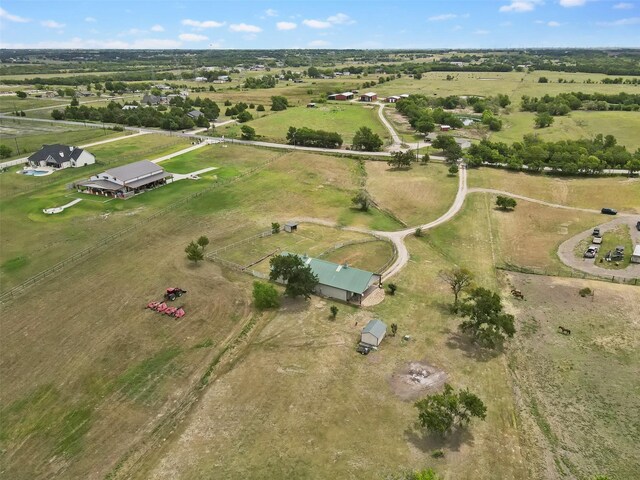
(103, 242)
(568, 273)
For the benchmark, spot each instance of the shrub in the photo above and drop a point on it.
(585, 292)
(265, 296)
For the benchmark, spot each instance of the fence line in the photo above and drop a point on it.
(215, 253)
(11, 293)
(569, 273)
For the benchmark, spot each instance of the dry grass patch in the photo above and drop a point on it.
(415, 196)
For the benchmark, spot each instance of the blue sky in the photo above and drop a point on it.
(319, 24)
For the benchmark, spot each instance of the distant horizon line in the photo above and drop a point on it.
(419, 49)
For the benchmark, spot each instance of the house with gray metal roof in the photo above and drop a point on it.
(373, 333)
(126, 181)
(341, 281)
(61, 156)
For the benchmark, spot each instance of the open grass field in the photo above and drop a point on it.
(13, 103)
(358, 249)
(31, 139)
(577, 394)
(529, 236)
(578, 124)
(345, 119)
(621, 193)
(415, 196)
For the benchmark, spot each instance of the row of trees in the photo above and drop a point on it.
(308, 137)
(422, 117)
(563, 103)
(266, 81)
(572, 157)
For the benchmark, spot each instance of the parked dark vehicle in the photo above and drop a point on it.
(363, 350)
(609, 211)
(596, 232)
(638, 226)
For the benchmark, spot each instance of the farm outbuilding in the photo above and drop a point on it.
(341, 281)
(368, 97)
(61, 156)
(291, 227)
(126, 181)
(341, 96)
(373, 333)
(635, 256)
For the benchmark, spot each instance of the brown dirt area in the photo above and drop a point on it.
(417, 379)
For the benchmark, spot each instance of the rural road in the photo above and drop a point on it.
(182, 152)
(397, 143)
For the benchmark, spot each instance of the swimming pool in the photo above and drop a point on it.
(34, 172)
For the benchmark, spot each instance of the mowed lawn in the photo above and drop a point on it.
(577, 124)
(9, 104)
(342, 118)
(415, 196)
(617, 192)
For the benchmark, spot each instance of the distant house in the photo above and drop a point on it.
(195, 114)
(129, 107)
(373, 333)
(224, 78)
(79, 93)
(635, 256)
(392, 99)
(341, 96)
(341, 282)
(126, 181)
(467, 122)
(61, 156)
(149, 99)
(200, 79)
(445, 128)
(368, 97)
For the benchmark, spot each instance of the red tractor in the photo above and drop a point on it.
(173, 292)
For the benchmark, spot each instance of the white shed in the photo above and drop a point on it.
(373, 333)
(635, 256)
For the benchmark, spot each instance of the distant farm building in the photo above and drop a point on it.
(373, 333)
(126, 181)
(341, 282)
(445, 128)
(201, 79)
(368, 97)
(392, 99)
(129, 107)
(149, 99)
(61, 156)
(195, 114)
(341, 96)
(635, 256)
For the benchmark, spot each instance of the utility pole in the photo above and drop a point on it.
(17, 147)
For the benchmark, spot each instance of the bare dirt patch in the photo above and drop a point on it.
(416, 379)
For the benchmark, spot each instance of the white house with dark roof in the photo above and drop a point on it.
(126, 181)
(61, 156)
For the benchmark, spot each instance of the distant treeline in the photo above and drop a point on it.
(307, 137)
(563, 103)
(571, 157)
(172, 118)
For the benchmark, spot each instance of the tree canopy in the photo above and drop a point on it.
(441, 412)
(366, 140)
(487, 324)
(298, 277)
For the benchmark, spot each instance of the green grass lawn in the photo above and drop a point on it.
(342, 118)
(619, 236)
(10, 104)
(578, 124)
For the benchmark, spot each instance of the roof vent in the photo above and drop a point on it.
(61, 154)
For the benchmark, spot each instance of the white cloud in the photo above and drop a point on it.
(519, 6)
(51, 24)
(12, 18)
(157, 28)
(337, 19)
(192, 37)
(456, 28)
(202, 23)
(623, 6)
(90, 20)
(319, 43)
(286, 25)
(444, 16)
(316, 24)
(341, 19)
(243, 27)
(481, 32)
(80, 43)
(553, 23)
(621, 23)
(270, 12)
(572, 3)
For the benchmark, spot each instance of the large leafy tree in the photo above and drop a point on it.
(487, 324)
(366, 140)
(506, 203)
(441, 412)
(298, 277)
(402, 159)
(265, 296)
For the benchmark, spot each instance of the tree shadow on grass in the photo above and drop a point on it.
(469, 349)
(428, 442)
